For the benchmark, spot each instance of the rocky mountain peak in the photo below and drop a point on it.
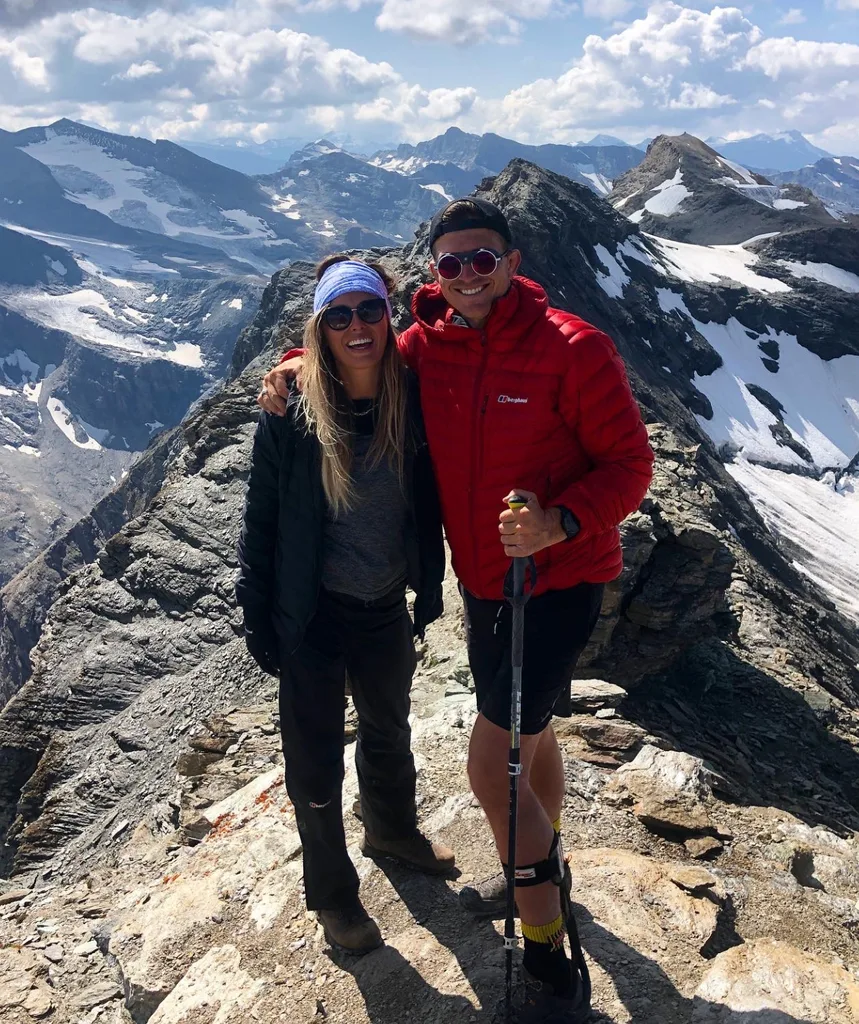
(685, 190)
(321, 147)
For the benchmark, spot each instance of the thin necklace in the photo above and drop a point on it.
(364, 412)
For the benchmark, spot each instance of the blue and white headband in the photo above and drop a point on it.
(348, 276)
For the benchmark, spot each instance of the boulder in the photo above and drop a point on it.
(817, 858)
(594, 694)
(770, 982)
(668, 791)
(644, 901)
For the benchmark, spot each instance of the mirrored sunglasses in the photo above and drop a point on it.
(484, 263)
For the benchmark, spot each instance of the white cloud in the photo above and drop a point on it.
(792, 17)
(699, 97)
(461, 23)
(26, 67)
(800, 58)
(144, 70)
(710, 72)
(607, 9)
(206, 72)
(171, 69)
(670, 60)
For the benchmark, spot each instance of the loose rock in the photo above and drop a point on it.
(766, 975)
(593, 694)
(668, 790)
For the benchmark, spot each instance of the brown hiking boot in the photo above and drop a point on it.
(486, 899)
(416, 852)
(351, 929)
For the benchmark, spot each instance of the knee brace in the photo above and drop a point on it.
(549, 870)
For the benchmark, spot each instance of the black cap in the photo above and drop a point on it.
(482, 214)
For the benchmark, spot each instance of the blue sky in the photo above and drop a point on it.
(537, 70)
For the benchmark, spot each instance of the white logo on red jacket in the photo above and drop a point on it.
(508, 400)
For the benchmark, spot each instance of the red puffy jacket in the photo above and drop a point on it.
(538, 400)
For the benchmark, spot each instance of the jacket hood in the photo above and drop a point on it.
(515, 312)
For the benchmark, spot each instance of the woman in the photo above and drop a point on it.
(341, 514)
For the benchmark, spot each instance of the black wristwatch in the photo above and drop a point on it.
(570, 525)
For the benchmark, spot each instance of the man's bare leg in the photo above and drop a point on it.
(490, 782)
(547, 774)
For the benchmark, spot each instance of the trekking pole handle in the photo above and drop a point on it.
(514, 503)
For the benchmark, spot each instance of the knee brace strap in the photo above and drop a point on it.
(548, 870)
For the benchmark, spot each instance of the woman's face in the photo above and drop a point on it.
(360, 345)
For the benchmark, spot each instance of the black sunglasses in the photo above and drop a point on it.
(370, 311)
(484, 263)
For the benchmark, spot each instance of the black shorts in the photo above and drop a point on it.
(558, 626)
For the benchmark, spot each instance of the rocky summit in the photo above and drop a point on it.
(685, 190)
(152, 869)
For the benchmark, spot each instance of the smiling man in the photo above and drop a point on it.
(520, 397)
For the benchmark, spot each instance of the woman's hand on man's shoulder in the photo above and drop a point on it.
(276, 384)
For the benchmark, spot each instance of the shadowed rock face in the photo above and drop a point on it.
(143, 638)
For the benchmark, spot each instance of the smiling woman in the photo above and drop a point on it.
(341, 513)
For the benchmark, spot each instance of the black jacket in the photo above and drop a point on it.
(280, 548)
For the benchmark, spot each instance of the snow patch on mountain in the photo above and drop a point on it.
(738, 170)
(439, 189)
(818, 400)
(134, 196)
(19, 359)
(825, 273)
(817, 517)
(599, 182)
(713, 264)
(76, 313)
(668, 199)
(67, 421)
(616, 276)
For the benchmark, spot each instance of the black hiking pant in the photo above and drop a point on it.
(372, 642)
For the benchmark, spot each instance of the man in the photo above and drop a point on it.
(519, 397)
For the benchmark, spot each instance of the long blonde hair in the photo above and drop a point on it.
(327, 409)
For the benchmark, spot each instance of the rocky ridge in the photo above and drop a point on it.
(738, 682)
(686, 191)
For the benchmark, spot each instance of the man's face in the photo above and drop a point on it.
(471, 295)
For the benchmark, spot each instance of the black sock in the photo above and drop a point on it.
(548, 962)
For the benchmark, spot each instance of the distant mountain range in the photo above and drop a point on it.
(484, 155)
(782, 151)
(835, 179)
(268, 157)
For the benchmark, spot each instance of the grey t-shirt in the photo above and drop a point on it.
(364, 548)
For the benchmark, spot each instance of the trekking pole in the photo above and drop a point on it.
(515, 763)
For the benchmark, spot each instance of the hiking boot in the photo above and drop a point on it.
(416, 852)
(486, 899)
(351, 929)
(536, 1003)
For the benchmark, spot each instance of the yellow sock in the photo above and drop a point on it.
(548, 934)
(556, 825)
